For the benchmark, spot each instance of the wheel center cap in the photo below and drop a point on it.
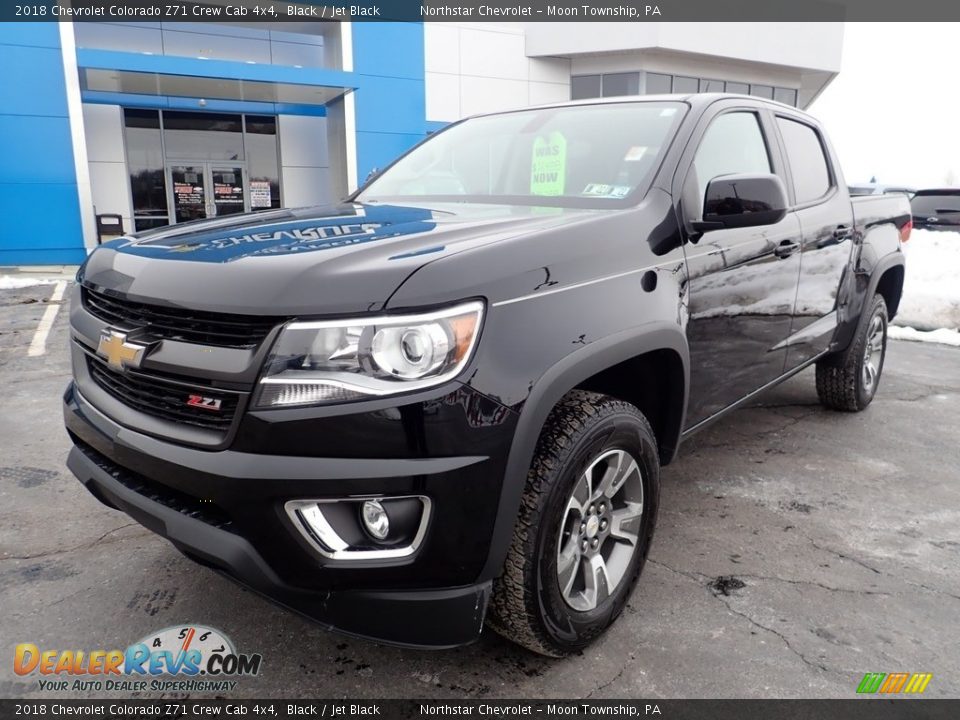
(593, 525)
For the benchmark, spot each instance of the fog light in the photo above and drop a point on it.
(375, 519)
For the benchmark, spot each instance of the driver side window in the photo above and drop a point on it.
(732, 144)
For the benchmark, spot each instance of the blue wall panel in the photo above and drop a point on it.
(390, 95)
(39, 206)
(388, 49)
(36, 86)
(34, 150)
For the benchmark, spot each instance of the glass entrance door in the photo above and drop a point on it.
(229, 189)
(206, 190)
(189, 186)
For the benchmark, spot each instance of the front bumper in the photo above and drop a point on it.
(224, 509)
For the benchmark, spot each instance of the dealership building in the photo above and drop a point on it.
(140, 125)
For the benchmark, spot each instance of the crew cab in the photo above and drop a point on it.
(447, 401)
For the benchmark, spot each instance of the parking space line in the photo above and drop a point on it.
(38, 346)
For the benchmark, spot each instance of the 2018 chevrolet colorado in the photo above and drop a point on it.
(450, 398)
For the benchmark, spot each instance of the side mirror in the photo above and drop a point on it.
(737, 201)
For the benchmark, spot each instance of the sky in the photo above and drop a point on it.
(894, 110)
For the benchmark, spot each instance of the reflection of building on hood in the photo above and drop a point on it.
(321, 232)
(299, 231)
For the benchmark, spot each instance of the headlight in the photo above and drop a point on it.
(315, 363)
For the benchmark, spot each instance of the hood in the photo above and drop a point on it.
(312, 261)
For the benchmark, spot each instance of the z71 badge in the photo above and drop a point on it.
(207, 403)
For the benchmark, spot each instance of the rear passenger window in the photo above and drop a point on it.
(732, 144)
(808, 163)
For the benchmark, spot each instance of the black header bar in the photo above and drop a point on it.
(188, 708)
(480, 10)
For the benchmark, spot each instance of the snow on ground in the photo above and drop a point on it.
(931, 289)
(15, 282)
(942, 336)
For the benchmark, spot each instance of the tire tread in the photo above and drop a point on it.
(513, 607)
(838, 376)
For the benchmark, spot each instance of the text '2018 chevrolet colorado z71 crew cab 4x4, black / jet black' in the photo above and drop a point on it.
(448, 400)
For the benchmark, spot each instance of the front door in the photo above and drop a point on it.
(207, 190)
(742, 281)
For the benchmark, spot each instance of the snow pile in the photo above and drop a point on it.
(931, 289)
(942, 336)
(15, 282)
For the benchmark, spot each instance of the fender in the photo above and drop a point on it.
(553, 385)
(864, 287)
(890, 260)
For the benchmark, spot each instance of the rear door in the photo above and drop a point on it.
(742, 281)
(823, 207)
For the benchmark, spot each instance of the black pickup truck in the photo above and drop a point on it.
(448, 400)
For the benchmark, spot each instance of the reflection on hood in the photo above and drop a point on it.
(277, 233)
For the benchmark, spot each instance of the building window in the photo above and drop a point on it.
(685, 84)
(618, 84)
(788, 96)
(203, 136)
(237, 42)
(193, 165)
(659, 84)
(608, 85)
(145, 164)
(262, 160)
(586, 86)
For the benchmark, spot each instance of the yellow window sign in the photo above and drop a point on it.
(548, 168)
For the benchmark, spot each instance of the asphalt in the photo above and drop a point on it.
(797, 549)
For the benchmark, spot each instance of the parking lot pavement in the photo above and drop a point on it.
(797, 549)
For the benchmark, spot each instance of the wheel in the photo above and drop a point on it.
(848, 380)
(584, 527)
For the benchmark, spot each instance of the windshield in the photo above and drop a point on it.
(580, 156)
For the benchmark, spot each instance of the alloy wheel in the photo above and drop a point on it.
(600, 530)
(873, 354)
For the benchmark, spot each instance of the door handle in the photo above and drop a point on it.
(843, 232)
(786, 249)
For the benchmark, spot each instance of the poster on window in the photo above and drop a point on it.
(260, 195)
(227, 194)
(187, 194)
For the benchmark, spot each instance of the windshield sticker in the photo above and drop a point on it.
(549, 167)
(667, 112)
(597, 189)
(635, 153)
(606, 191)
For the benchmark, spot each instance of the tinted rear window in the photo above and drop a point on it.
(934, 204)
(808, 163)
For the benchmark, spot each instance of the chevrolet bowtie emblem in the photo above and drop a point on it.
(119, 352)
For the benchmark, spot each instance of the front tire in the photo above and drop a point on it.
(584, 528)
(848, 381)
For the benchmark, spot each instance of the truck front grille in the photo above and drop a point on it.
(167, 399)
(168, 323)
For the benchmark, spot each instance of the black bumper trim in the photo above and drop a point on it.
(434, 619)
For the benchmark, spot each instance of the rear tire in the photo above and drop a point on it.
(848, 381)
(584, 527)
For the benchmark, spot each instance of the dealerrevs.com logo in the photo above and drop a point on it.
(190, 658)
